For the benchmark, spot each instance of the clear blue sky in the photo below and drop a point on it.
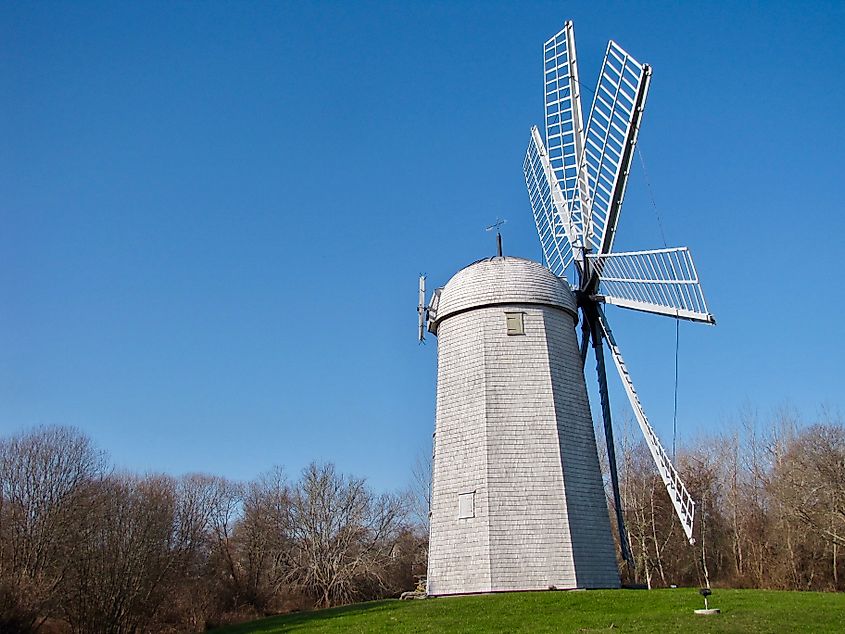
(212, 216)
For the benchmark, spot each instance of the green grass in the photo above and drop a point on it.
(745, 611)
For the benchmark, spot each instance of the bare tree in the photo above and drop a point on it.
(343, 534)
(264, 539)
(125, 566)
(194, 596)
(649, 515)
(228, 498)
(420, 490)
(45, 477)
(808, 483)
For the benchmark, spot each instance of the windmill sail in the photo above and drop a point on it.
(564, 121)
(551, 213)
(681, 499)
(661, 281)
(610, 140)
(576, 183)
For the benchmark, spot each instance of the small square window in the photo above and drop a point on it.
(466, 505)
(515, 323)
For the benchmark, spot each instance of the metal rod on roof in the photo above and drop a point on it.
(497, 226)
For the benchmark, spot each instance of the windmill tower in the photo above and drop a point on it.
(517, 497)
(517, 494)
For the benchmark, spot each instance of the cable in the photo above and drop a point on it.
(677, 321)
(653, 202)
(675, 406)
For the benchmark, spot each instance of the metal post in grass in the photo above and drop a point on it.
(707, 611)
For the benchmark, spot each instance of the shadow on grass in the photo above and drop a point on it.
(289, 622)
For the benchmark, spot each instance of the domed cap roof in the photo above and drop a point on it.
(502, 280)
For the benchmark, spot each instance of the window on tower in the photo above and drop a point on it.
(466, 505)
(515, 323)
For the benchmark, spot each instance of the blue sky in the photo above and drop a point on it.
(212, 216)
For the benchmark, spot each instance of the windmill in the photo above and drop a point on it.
(576, 183)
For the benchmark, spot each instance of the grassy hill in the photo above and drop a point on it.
(744, 611)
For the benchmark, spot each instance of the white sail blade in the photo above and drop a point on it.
(551, 214)
(661, 281)
(564, 120)
(609, 144)
(681, 499)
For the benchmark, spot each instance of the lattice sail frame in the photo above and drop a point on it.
(609, 144)
(589, 167)
(660, 281)
(551, 214)
(564, 120)
(678, 493)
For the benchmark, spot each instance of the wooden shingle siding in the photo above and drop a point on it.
(513, 424)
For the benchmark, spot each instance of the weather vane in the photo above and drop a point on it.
(497, 226)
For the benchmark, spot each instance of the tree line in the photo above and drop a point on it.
(88, 549)
(770, 507)
(85, 548)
